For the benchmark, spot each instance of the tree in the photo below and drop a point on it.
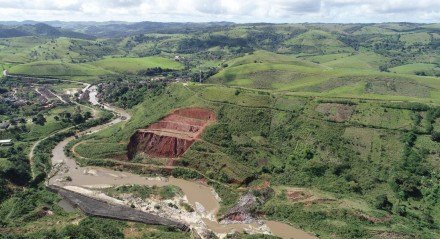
(383, 203)
(13, 122)
(87, 115)
(435, 136)
(4, 192)
(39, 119)
(78, 118)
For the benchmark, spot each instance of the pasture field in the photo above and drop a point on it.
(14, 50)
(40, 131)
(320, 59)
(100, 150)
(361, 60)
(57, 69)
(417, 68)
(134, 65)
(260, 71)
(233, 96)
(318, 41)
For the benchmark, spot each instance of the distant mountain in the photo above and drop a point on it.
(9, 29)
(123, 29)
(118, 29)
(111, 29)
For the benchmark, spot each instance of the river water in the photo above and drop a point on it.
(196, 193)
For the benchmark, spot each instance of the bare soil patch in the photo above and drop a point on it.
(173, 135)
(301, 195)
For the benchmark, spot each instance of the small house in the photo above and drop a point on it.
(6, 142)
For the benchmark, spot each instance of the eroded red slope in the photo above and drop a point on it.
(171, 136)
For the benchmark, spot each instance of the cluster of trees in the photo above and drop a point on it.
(153, 71)
(5, 108)
(77, 117)
(17, 170)
(196, 44)
(407, 179)
(203, 75)
(350, 40)
(431, 116)
(67, 117)
(39, 119)
(127, 94)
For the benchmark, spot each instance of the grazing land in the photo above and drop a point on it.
(134, 65)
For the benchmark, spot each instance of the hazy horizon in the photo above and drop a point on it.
(245, 11)
(201, 22)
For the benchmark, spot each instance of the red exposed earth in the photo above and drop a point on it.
(171, 136)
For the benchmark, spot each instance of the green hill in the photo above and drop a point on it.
(264, 70)
(347, 77)
(317, 42)
(346, 151)
(134, 65)
(417, 69)
(55, 68)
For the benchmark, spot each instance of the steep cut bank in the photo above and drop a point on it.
(171, 136)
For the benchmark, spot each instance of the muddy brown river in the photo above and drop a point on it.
(198, 195)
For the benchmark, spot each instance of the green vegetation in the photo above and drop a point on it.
(287, 141)
(135, 65)
(421, 69)
(260, 70)
(54, 68)
(144, 192)
(102, 228)
(342, 121)
(54, 120)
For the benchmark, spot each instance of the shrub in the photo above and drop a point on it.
(435, 136)
(383, 203)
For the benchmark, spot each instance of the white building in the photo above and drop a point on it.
(6, 142)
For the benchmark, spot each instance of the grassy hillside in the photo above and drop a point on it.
(344, 77)
(361, 60)
(14, 50)
(266, 70)
(317, 41)
(134, 65)
(418, 68)
(345, 152)
(55, 68)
